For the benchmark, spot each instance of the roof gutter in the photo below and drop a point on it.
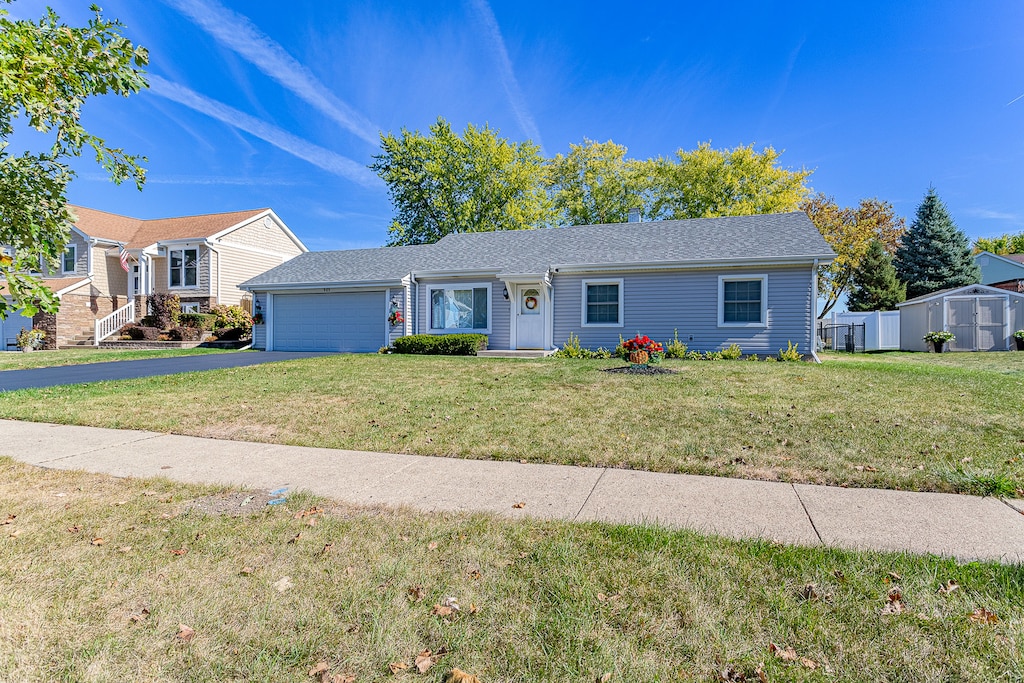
(317, 286)
(686, 265)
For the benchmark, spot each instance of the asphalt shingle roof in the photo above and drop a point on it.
(138, 233)
(761, 237)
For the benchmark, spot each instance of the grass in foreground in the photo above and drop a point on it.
(908, 424)
(45, 359)
(546, 601)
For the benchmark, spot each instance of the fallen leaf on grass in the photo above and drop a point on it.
(604, 678)
(311, 521)
(179, 552)
(459, 676)
(894, 602)
(983, 616)
(473, 609)
(761, 675)
(519, 506)
(601, 597)
(124, 549)
(894, 576)
(416, 593)
(185, 633)
(949, 587)
(785, 654)
(808, 663)
(74, 529)
(432, 545)
(138, 616)
(283, 584)
(328, 547)
(295, 538)
(10, 518)
(97, 541)
(306, 513)
(810, 592)
(423, 661)
(16, 533)
(320, 668)
(246, 571)
(395, 667)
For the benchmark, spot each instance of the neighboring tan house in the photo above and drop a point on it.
(1002, 271)
(202, 259)
(747, 280)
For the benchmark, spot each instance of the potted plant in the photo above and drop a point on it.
(642, 350)
(30, 340)
(939, 338)
(1018, 337)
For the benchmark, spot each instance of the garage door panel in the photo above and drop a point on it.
(348, 322)
(11, 326)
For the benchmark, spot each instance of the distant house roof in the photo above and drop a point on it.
(787, 237)
(58, 286)
(1019, 258)
(137, 233)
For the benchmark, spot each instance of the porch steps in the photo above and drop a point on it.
(531, 353)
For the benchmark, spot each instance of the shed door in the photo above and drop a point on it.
(979, 323)
(348, 322)
(960, 320)
(991, 323)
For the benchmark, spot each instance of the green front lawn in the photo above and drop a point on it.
(917, 421)
(16, 360)
(98, 576)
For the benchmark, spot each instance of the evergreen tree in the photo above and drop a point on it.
(934, 253)
(875, 286)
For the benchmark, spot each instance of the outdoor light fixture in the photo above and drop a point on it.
(504, 292)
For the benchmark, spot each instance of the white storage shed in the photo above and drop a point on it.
(982, 318)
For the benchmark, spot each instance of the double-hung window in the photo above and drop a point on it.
(742, 301)
(602, 303)
(69, 259)
(463, 308)
(184, 267)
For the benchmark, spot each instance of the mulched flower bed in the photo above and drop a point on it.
(642, 370)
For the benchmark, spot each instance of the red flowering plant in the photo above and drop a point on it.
(641, 350)
(396, 318)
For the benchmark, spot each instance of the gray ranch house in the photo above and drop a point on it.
(748, 280)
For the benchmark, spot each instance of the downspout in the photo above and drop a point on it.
(89, 244)
(215, 251)
(415, 303)
(814, 311)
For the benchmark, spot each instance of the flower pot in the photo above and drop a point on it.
(1020, 343)
(938, 346)
(639, 357)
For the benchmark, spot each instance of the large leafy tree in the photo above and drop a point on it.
(874, 285)
(707, 182)
(1003, 245)
(850, 232)
(443, 183)
(47, 72)
(934, 254)
(595, 183)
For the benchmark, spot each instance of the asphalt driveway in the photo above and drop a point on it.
(12, 380)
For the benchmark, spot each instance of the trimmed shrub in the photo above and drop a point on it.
(442, 344)
(791, 353)
(230, 333)
(140, 332)
(675, 348)
(148, 321)
(200, 321)
(732, 352)
(231, 316)
(184, 334)
(166, 309)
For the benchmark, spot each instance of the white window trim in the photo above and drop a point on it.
(183, 285)
(583, 302)
(722, 279)
(431, 288)
(74, 248)
(190, 307)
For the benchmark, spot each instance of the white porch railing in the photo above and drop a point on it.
(113, 322)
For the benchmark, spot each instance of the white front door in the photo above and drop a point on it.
(529, 317)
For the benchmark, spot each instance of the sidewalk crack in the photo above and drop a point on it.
(594, 488)
(101, 448)
(808, 513)
(1011, 505)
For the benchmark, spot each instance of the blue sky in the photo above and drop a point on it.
(252, 106)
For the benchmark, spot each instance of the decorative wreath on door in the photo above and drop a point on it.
(531, 302)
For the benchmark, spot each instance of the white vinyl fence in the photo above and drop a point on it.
(881, 328)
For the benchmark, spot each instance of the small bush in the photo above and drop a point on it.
(386, 350)
(231, 316)
(572, 349)
(442, 344)
(184, 334)
(230, 333)
(601, 353)
(790, 353)
(712, 355)
(200, 321)
(694, 355)
(148, 321)
(140, 332)
(166, 309)
(733, 352)
(675, 348)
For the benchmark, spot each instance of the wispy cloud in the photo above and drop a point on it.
(283, 140)
(238, 33)
(993, 215)
(492, 32)
(156, 179)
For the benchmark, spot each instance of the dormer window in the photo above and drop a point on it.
(69, 259)
(184, 267)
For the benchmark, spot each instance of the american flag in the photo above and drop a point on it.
(124, 259)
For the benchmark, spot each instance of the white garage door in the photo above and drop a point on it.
(10, 327)
(350, 322)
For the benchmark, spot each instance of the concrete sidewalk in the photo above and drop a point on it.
(965, 527)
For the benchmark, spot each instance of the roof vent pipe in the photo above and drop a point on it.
(634, 216)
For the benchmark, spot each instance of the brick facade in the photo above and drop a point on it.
(77, 316)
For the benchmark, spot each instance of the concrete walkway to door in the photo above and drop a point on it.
(965, 527)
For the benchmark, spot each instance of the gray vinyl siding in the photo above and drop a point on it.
(498, 338)
(657, 303)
